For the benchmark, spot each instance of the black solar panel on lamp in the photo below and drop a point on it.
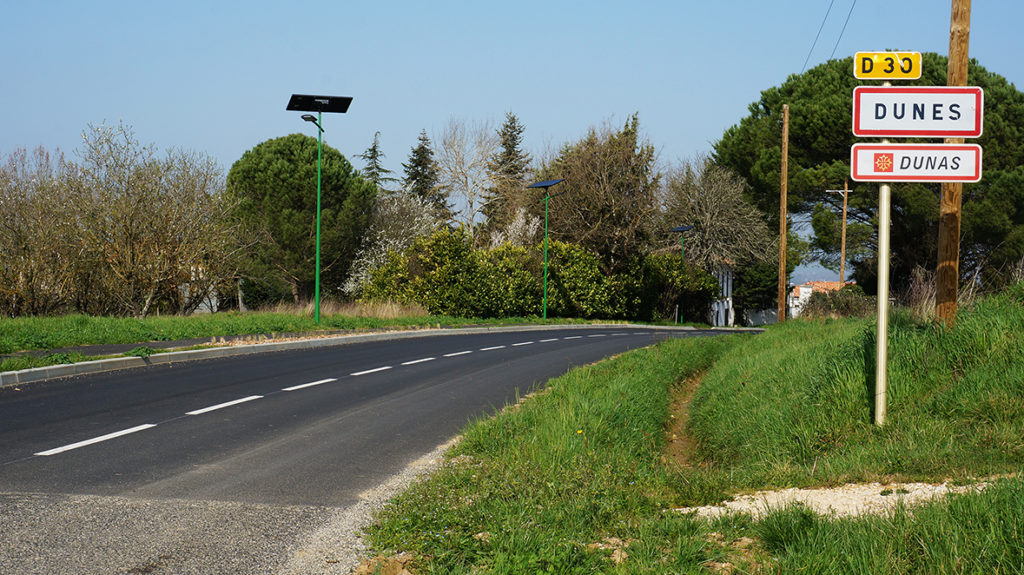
(545, 184)
(307, 103)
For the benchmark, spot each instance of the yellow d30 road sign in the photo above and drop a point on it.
(887, 65)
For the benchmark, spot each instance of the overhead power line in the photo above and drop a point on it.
(848, 14)
(816, 36)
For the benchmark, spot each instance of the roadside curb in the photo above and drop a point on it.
(38, 374)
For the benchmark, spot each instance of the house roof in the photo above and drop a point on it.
(822, 286)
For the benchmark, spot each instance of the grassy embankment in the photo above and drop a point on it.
(43, 333)
(575, 480)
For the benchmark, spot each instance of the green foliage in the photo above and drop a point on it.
(374, 171)
(820, 138)
(610, 189)
(508, 166)
(508, 286)
(423, 178)
(443, 274)
(274, 185)
(576, 285)
(671, 282)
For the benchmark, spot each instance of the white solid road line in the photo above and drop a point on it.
(96, 440)
(492, 348)
(457, 353)
(374, 370)
(522, 343)
(415, 361)
(310, 384)
(223, 405)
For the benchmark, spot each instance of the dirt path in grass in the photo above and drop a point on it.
(843, 501)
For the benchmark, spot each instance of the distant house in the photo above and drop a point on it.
(799, 295)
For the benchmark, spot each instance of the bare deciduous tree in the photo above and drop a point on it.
(117, 233)
(155, 224)
(37, 234)
(709, 197)
(462, 159)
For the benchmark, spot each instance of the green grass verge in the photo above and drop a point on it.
(573, 478)
(574, 465)
(41, 333)
(29, 333)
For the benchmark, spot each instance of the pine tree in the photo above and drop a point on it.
(375, 171)
(422, 178)
(509, 166)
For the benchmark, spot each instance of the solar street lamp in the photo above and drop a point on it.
(318, 104)
(681, 230)
(545, 185)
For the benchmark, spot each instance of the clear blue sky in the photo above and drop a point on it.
(214, 77)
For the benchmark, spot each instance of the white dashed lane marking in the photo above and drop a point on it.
(99, 439)
(223, 405)
(374, 370)
(415, 361)
(310, 384)
(136, 429)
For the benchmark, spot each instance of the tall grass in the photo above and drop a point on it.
(793, 407)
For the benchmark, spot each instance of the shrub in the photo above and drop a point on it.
(507, 286)
(847, 302)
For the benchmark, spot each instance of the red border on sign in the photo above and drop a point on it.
(978, 93)
(871, 176)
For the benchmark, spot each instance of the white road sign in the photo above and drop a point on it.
(918, 111)
(915, 162)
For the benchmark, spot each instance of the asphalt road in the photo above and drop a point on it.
(221, 465)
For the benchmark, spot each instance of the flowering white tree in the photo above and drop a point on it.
(398, 219)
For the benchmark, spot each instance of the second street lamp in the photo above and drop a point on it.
(682, 258)
(545, 185)
(318, 104)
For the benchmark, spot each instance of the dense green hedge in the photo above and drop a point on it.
(446, 275)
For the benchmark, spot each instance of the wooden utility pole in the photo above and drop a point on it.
(782, 214)
(842, 242)
(948, 274)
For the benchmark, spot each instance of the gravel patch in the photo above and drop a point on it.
(86, 534)
(337, 547)
(845, 501)
(63, 534)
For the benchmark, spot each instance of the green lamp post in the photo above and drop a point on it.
(681, 230)
(318, 104)
(547, 196)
